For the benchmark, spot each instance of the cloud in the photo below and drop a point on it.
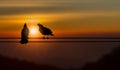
(56, 9)
(33, 10)
(10, 7)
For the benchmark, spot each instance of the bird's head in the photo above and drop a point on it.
(40, 25)
(25, 25)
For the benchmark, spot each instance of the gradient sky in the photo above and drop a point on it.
(73, 17)
(62, 16)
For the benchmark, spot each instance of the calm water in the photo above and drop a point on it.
(61, 54)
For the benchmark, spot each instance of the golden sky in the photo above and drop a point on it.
(62, 16)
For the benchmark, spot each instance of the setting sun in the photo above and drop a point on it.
(34, 31)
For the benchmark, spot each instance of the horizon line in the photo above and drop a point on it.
(61, 41)
(63, 37)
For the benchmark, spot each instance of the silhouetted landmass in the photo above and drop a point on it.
(14, 64)
(108, 62)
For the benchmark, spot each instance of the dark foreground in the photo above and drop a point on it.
(110, 61)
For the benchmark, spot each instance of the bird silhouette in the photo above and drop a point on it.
(45, 31)
(24, 34)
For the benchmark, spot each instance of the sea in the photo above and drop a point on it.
(70, 52)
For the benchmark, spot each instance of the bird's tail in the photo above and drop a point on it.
(52, 34)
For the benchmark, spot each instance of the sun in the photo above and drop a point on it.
(34, 31)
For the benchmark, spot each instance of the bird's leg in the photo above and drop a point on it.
(43, 37)
(47, 37)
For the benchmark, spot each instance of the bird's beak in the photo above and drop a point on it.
(38, 24)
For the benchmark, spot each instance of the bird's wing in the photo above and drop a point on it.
(48, 30)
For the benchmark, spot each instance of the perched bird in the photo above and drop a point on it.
(45, 31)
(24, 34)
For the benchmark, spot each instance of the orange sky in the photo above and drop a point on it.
(63, 17)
